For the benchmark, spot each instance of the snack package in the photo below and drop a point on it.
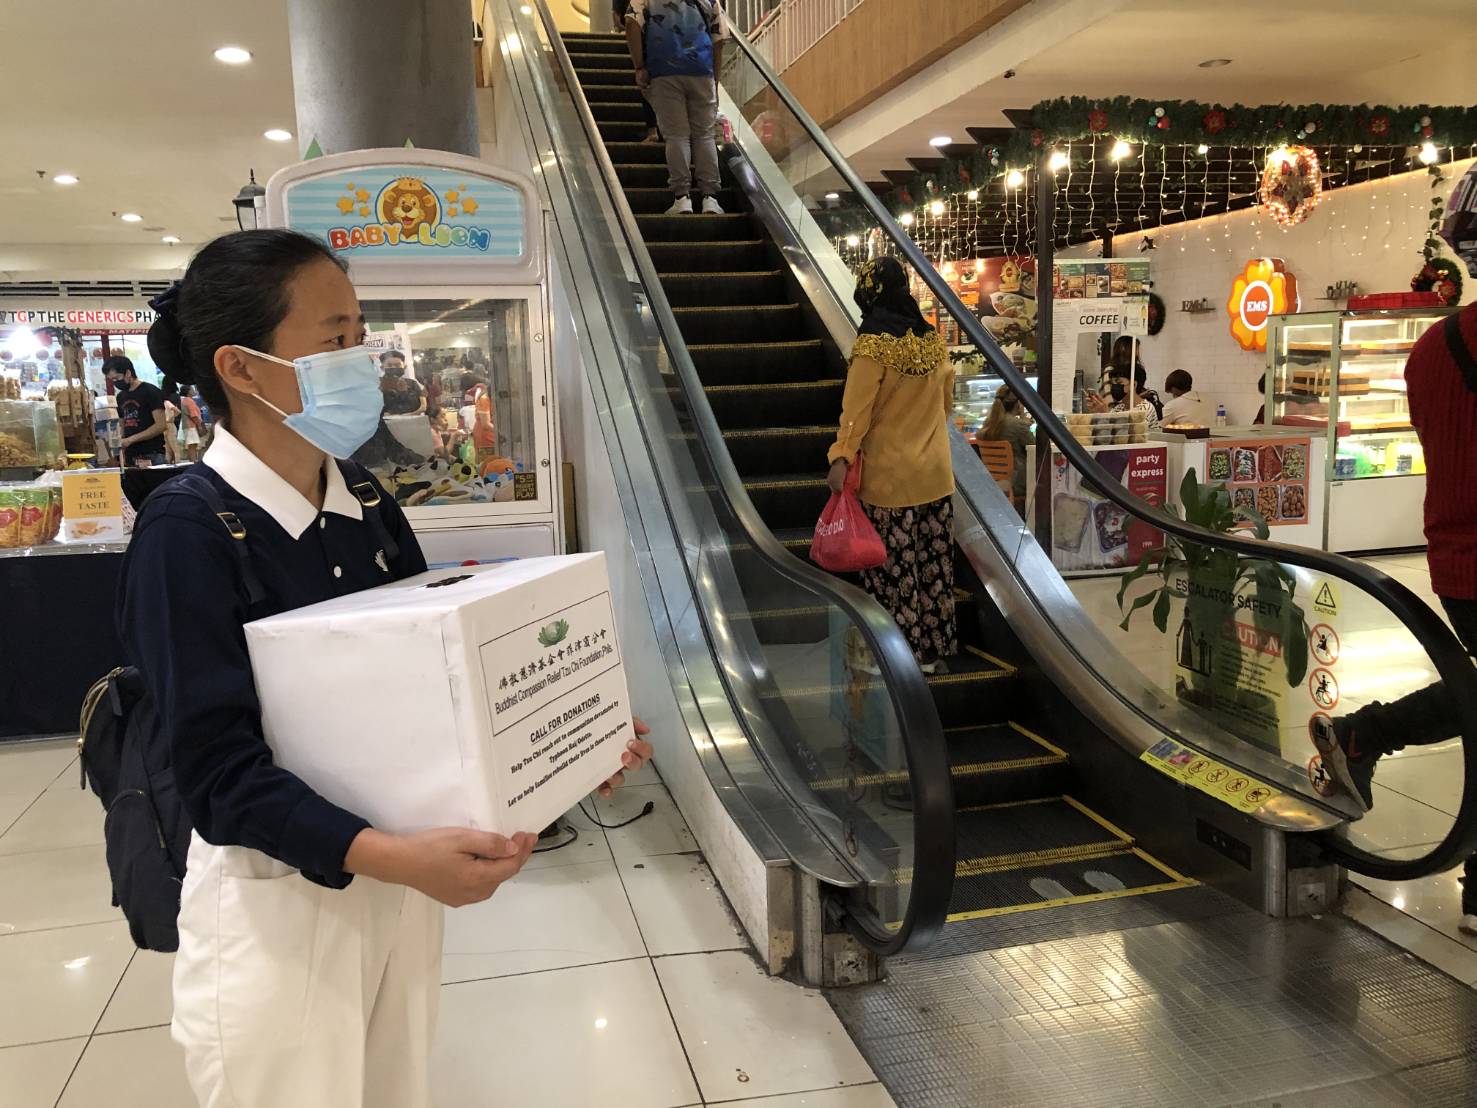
(1266, 502)
(1244, 498)
(1294, 503)
(1269, 463)
(1245, 464)
(1294, 462)
(1220, 465)
(35, 510)
(10, 518)
(1070, 514)
(1111, 524)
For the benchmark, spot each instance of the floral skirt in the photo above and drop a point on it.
(916, 583)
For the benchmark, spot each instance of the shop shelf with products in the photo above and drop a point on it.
(1342, 374)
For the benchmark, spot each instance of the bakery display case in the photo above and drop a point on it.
(1342, 374)
(974, 395)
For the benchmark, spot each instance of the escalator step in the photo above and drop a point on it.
(750, 406)
(773, 450)
(625, 130)
(691, 290)
(609, 72)
(616, 111)
(697, 227)
(649, 174)
(987, 751)
(730, 324)
(639, 153)
(602, 61)
(996, 836)
(1107, 875)
(705, 257)
(1003, 762)
(789, 500)
(655, 201)
(808, 697)
(765, 363)
(621, 92)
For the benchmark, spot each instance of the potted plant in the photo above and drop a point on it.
(1233, 604)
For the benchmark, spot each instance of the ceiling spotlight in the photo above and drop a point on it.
(906, 219)
(1058, 161)
(973, 194)
(1429, 155)
(170, 239)
(833, 196)
(1120, 151)
(277, 134)
(233, 55)
(939, 141)
(1202, 149)
(64, 179)
(526, 10)
(853, 241)
(1214, 63)
(1015, 179)
(936, 208)
(131, 217)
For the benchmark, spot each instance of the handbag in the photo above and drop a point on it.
(845, 540)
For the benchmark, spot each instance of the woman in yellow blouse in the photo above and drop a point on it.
(895, 413)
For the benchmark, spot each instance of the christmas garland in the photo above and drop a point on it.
(1190, 122)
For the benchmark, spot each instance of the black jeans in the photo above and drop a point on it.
(1425, 716)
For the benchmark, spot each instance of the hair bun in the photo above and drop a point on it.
(166, 344)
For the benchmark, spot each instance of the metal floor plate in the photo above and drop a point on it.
(1216, 1005)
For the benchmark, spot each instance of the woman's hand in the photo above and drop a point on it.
(638, 753)
(454, 865)
(1096, 402)
(837, 477)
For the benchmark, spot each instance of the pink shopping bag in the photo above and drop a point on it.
(845, 540)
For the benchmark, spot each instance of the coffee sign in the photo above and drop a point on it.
(1263, 289)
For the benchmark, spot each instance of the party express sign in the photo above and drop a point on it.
(394, 210)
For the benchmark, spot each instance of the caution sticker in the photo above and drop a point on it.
(1225, 783)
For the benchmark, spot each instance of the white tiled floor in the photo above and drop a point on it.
(610, 973)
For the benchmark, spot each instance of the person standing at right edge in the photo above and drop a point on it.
(895, 414)
(677, 48)
(1441, 384)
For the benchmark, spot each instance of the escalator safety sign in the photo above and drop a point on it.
(1213, 778)
(1326, 600)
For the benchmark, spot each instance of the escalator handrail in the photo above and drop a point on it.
(1452, 663)
(922, 737)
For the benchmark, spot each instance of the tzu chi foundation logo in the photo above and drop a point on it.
(407, 211)
(1261, 290)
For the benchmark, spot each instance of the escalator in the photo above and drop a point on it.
(1025, 838)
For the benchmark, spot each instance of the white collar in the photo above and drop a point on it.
(255, 480)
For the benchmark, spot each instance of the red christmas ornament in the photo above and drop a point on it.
(964, 174)
(1037, 138)
(1097, 120)
(905, 196)
(1163, 123)
(1214, 122)
(1379, 125)
(1426, 132)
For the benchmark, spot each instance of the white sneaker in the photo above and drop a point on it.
(711, 206)
(1468, 925)
(681, 206)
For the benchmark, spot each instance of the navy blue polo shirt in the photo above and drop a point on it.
(182, 608)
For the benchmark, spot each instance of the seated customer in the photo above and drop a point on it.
(1009, 422)
(1184, 404)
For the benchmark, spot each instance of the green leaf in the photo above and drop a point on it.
(1161, 611)
(1256, 519)
(1150, 556)
(1139, 602)
(1295, 643)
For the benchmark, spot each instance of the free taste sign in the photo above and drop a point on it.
(1262, 289)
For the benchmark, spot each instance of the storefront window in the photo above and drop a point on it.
(460, 422)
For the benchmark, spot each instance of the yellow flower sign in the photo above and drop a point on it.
(1261, 290)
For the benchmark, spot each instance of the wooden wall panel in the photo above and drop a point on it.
(881, 45)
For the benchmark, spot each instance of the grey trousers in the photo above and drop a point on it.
(687, 113)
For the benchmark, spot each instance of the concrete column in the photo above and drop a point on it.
(372, 73)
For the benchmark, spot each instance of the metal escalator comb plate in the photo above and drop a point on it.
(1103, 882)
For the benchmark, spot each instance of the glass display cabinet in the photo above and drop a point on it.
(1343, 374)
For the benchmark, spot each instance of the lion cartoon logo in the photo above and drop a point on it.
(409, 202)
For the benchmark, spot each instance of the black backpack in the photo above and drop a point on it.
(125, 758)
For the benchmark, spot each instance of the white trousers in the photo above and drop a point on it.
(290, 995)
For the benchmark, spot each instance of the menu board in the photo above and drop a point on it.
(1090, 532)
(1001, 292)
(1270, 478)
(1089, 278)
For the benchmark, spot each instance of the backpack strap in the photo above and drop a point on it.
(201, 487)
(368, 495)
(1457, 344)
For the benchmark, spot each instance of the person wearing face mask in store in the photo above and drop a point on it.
(308, 970)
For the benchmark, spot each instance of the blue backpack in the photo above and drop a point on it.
(678, 40)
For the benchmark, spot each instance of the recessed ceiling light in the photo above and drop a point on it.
(1429, 155)
(1202, 149)
(1058, 161)
(833, 196)
(1214, 63)
(906, 219)
(936, 208)
(1120, 151)
(233, 55)
(277, 134)
(526, 10)
(64, 179)
(131, 217)
(171, 239)
(972, 194)
(939, 140)
(1015, 179)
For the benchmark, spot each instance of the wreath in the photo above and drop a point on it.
(1156, 313)
(1292, 184)
(1441, 276)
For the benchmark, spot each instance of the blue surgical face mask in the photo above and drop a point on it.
(340, 395)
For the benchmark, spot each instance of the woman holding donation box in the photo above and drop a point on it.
(309, 957)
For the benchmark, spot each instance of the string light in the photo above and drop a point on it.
(1015, 179)
(1429, 155)
(1058, 161)
(1120, 151)
(936, 209)
(853, 241)
(1202, 149)
(906, 219)
(973, 194)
